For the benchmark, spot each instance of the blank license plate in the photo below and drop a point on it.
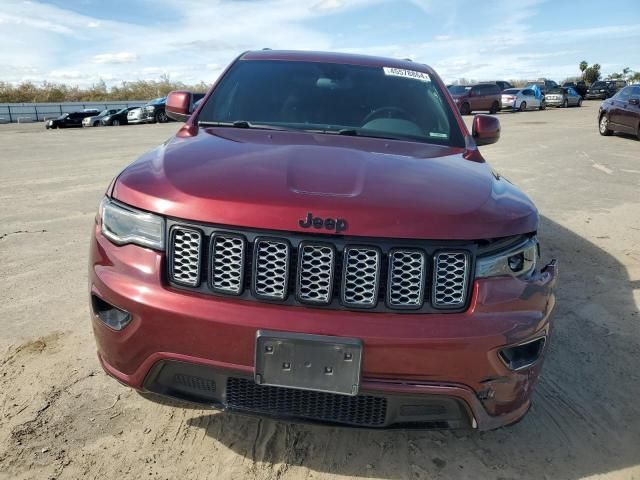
(308, 362)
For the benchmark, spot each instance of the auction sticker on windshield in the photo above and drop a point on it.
(401, 72)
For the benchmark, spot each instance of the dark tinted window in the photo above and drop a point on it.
(459, 89)
(624, 94)
(528, 91)
(329, 98)
(512, 91)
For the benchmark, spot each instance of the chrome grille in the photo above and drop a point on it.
(185, 263)
(451, 270)
(406, 278)
(327, 271)
(315, 273)
(227, 263)
(361, 276)
(271, 269)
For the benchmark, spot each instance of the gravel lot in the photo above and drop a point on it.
(61, 417)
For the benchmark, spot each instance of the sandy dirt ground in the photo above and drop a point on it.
(61, 417)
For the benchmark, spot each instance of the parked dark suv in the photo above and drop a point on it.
(603, 89)
(621, 113)
(154, 111)
(580, 87)
(323, 241)
(472, 98)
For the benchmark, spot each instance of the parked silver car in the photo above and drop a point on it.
(95, 121)
(521, 99)
(135, 116)
(563, 97)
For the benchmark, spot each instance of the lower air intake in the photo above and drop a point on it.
(361, 410)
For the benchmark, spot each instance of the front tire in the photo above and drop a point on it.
(494, 108)
(523, 106)
(115, 123)
(465, 109)
(543, 105)
(579, 103)
(603, 126)
(161, 117)
(565, 104)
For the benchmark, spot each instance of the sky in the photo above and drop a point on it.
(79, 42)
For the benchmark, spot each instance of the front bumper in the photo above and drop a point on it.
(447, 363)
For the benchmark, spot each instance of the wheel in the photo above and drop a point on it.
(603, 126)
(161, 117)
(494, 108)
(565, 104)
(523, 106)
(115, 122)
(579, 103)
(465, 109)
(96, 124)
(543, 105)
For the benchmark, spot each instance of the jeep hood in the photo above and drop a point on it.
(271, 179)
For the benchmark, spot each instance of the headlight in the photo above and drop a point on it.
(123, 224)
(518, 261)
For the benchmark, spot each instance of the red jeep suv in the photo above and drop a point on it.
(323, 242)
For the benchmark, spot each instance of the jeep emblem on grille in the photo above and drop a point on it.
(337, 224)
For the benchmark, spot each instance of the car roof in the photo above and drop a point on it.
(333, 57)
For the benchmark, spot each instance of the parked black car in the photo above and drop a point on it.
(621, 113)
(503, 84)
(543, 84)
(118, 118)
(579, 87)
(68, 120)
(603, 89)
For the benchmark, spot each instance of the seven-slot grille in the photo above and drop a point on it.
(296, 270)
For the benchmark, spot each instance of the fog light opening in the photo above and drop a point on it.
(111, 316)
(524, 355)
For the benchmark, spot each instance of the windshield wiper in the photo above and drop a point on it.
(241, 124)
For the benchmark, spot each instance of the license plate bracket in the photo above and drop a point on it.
(308, 362)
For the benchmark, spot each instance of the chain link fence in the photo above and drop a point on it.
(38, 112)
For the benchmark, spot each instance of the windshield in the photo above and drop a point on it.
(459, 89)
(333, 99)
(556, 90)
(599, 85)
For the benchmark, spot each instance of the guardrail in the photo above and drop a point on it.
(37, 112)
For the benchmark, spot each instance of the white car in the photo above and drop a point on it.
(521, 99)
(135, 116)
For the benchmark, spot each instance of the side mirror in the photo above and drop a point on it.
(485, 129)
(634, 101)
(178, 106)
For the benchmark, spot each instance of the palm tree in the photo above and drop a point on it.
(583, 65)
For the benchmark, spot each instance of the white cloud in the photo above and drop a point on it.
(328, 5)
(120, 57)
(202, 38)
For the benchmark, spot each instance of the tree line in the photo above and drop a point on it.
(27, 92)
